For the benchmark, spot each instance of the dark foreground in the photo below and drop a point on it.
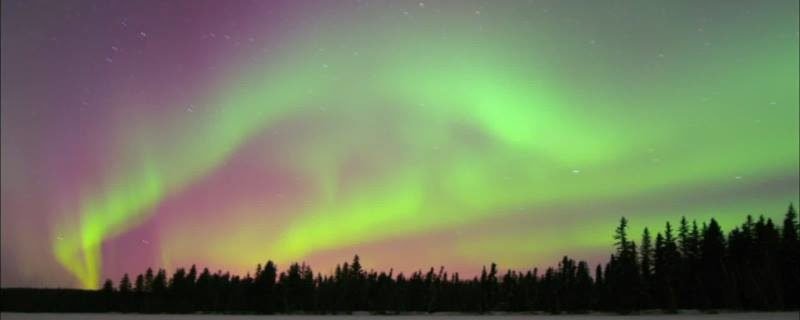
(694, 266)
(682, 316)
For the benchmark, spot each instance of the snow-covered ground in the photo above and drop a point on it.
(683, 316)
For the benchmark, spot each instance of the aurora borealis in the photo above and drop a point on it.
(414, 133)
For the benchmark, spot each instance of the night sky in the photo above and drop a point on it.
(143, 134)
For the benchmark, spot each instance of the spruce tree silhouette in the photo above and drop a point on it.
(790, 259)
(124, 296)
(646, 265)
(148, 280)
(753, 267)
(125, 284)
(666, 275)
(625, 276)
(139, 286)
(714, 272)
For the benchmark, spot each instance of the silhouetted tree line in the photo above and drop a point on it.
(753, 267)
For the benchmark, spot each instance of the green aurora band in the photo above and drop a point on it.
(430, 127)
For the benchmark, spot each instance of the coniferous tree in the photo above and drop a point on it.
(667, 260)
(790, 260)
(582, 288)
(179, 291)
(751, 268)
(108, 287)
(684, 272)
(356, 285)
(125, 289)
(694, 282)
(625, 281)
(714, 272)
(107, 292)
(139, 286)
(672, 259)
(125, 284)
(566, 279)
(488, 284)
(599, 289)
(646, 265)
(191, 277)
(159, 285)
(768, 243)
(264, 288)
(148, 280)
(745, 260)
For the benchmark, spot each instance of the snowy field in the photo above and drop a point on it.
(720, 316)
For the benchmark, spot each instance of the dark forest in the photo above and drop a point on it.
(754, 266)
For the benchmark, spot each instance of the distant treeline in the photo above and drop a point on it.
(756, 266)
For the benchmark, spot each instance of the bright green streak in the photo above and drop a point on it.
(538, 136)
(529, 128)
(174, 163)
